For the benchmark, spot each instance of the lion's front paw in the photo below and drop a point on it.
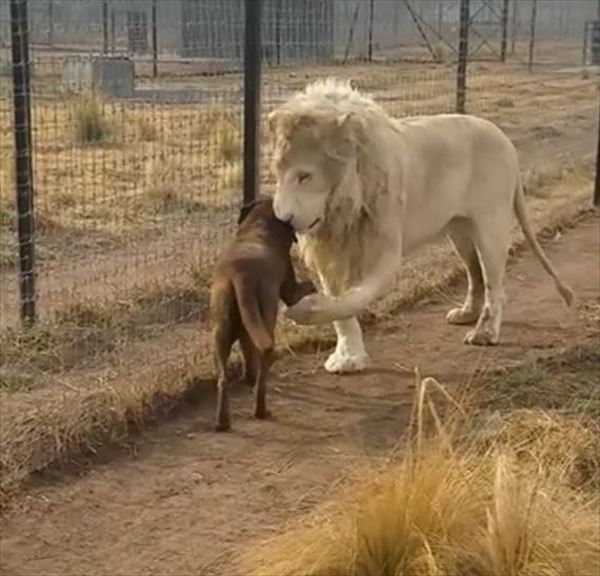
(461, 316)
(309, 310)
(481, 337)
(343, 362)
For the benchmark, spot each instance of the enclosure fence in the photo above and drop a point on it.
(131, 129)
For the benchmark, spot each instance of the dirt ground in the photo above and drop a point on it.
(184, 500)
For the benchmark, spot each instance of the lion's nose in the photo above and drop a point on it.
(283, 215)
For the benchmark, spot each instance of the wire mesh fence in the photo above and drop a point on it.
(137, 135)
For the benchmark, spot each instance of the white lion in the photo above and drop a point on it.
(362, 189)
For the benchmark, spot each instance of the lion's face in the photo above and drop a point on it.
(306, 172)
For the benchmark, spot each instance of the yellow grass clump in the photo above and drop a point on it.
(90, 122)
(450, 506)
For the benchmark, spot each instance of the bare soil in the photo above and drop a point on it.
(182, 499)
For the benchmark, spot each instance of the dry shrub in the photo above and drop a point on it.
(170, 188)
(231, 175)
(541, 436)
(90, 123)
(147, 131)
(8, 236)
(505, 103)
(446, 507)
(220, 128)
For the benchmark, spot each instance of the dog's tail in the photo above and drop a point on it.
(251, 317)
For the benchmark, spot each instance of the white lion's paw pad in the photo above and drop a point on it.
(344, 363)
(481, 338)
(460, 316)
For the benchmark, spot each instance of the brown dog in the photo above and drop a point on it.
(250, 277)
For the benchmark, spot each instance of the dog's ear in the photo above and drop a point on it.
(247, 208)
(244, 211)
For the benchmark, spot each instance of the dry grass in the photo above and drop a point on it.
(458, 501)
(148, 131)
(90, 124)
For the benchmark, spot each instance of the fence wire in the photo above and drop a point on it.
(136, 123)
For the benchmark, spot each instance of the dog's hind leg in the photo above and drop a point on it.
(223, 341)
(250, 355)
(269, 301)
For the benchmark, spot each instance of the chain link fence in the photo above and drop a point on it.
(129, 117)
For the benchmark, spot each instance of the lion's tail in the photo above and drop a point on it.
(251, 317)
(523, 218)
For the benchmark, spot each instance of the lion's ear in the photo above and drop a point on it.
(284, 121)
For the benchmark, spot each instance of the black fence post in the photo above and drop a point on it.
(370, 44)
(105, 26)
(463, 56)
(278, 22)
(597, 183)
(51, 22)
(513, 29)
(532, 34)
(154, 42)
(23, 165)
(504, 30)
(252, 79)
(113, 31)
(585, 42)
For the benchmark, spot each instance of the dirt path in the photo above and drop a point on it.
(185, 500)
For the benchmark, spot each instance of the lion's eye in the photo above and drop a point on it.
(303, 177)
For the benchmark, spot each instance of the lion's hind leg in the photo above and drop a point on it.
(461, 234)
(493, 241)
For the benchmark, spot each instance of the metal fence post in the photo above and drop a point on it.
(51, 22)
(532, 33)
(463, 55)
(504, 30)
(154, 42)
(113, 31)
(370, 41)
(513, 29)
(23, 165)
(252, 79)
(597, 183)
(105, 26)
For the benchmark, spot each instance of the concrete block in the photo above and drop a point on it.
(112, 76)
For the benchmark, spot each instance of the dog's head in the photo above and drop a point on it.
(262, 208)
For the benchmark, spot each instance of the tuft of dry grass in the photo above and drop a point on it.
(147, 131)
(453, 503)
(90, 123)
(220, 128)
